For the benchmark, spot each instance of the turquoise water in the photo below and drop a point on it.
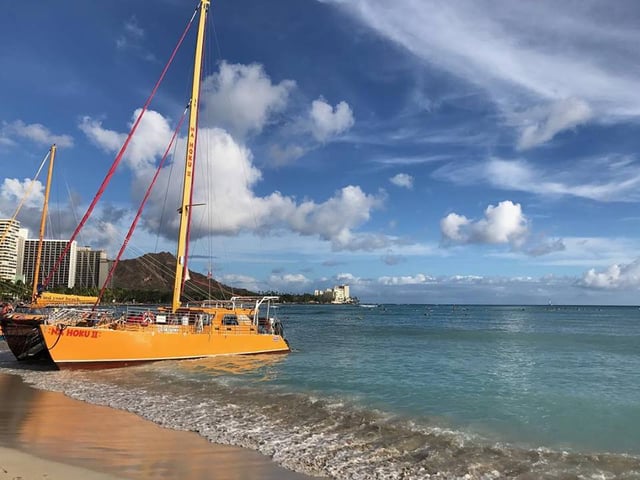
(408, 391)
(562, 376)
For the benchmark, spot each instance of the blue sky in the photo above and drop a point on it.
(420, 151)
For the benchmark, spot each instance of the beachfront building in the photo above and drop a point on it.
(338, 294)
(64, 276)
(9, 233)
(92, 267)
(341, 294)
(320, 293)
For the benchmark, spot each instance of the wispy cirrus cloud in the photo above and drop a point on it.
(131, 33)
(391, 259)
(541, 58)
(416, 279)
(131, 38)
(541, 124)
(11, 132)
(618, 177)
(417, 160)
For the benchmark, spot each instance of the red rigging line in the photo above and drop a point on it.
(118, 158)
(134, 223)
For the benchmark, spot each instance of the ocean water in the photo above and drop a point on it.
(407, 392)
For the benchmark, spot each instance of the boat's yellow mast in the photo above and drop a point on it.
(43, 222)
(189, 158)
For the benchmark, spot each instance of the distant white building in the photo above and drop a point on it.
(82, 266)
(9, 233)
(341, 294)
(338, 294)
(64, 276)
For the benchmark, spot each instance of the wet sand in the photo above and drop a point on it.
(48, 435)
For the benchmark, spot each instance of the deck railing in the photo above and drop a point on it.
(139, 318)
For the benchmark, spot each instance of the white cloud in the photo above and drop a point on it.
(348, 278)
(288, 279)
(328, 121)
(241, 281)
(618, 177)
(417, 279)
(521, 63)
(108, 140)
(13, 190)
(452, 226)
(149, 142)
(402, 180)
(472, 289)
(504, 223)
(335, 219)
(230, 204)
(241, 98)
(617, 276)
(35, 132)
(542, 124)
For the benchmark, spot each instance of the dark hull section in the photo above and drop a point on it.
(25, 340)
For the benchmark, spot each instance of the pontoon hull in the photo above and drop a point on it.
(24, 339)
(103, 347)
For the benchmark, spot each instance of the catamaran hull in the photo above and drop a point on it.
(24, 339)
(101, 347)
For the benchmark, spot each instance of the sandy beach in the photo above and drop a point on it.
(15, 464)
(46, 435)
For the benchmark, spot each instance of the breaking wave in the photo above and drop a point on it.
(318, 435)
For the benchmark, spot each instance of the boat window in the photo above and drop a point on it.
(229, 320)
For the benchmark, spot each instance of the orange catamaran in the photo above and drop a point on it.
(97, 336)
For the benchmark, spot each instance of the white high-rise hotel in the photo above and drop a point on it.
(82, 266)
(9, 231)
(338, 294)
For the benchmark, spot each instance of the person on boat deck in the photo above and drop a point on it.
(6, 308)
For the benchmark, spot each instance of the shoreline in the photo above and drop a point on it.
(46, 434)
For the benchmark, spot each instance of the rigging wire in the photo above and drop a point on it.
(215, 217)
(155, 267)
(120, 154)
(186, 92)
(210, 173)
(26, 194)
(134, 223)
(206, 217)
(166, 197)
